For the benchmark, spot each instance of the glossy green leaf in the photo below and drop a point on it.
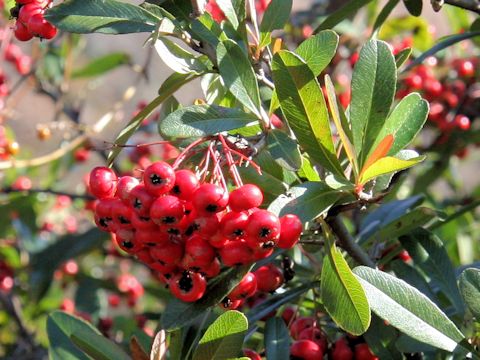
(347, 10)
(414, 7)
(373, 88)
(103, 16)
(178, 313)
(342, 295)
(208, 30)
(284, 150)
(469, 283)
(178, 59)
(45, 262)
(318, 50)
(386, 165)
(429, 254)
(271, 186)
(101, 65)
(275, 17)
(170, 85)
(402, 57)
(411, 275)
(307, 171)
(204, 120)
(381, 339)
(60, 326)
(277, 339)
(97, 346)
(224, 338)
(407, 309)
(230, 12)
(308, 201)
(385, 13)
(238, 75)
(88, 297)
(404, 123)
(304, 107)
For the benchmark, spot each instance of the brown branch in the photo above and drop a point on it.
(347, 242)
(12, 306)
(9, 190)
(472, 5)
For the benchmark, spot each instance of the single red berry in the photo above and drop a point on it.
(462, 121)
(159, 178)
(465, 68)
(114, 300)
(263, 227)
(102, 182)
(21, 32)
(414, 81)
(188, 286)
(201, 252)
(168, 253)
(122, 215)
(236, 253)
(27, 11)
(186, 182)
(141, 200)
(125, 239)
(251, 354)
(212, 270)
(233, 224)
(125, 184)
(288, 315)
(206, 226)
(316, 335)
(22, 183)
(245, 197)
(40, 27)
(341, 350)
(209, 199)
(290, 230)
(167, 210)
(142, 222)
(301, 324)
(23, 64)
(269, 278)
(150, 237)
(306, 350)
(245, 288)
(362, 352)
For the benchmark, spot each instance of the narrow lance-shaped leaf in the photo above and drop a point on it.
(101, 65)
(238, 75)
(380, 151)
(407, 309)
(373, 88)
(384, 14)
(224, 338)
(332, 102)
(342, 295)
(304, 107)
(284, 150)
(318, 50)
(103, 16)
(275, 17)
(230, 12)
(179, 59)
(204, 120)
(277, 339)
(97, 346)
(350, 8)
(402, 57)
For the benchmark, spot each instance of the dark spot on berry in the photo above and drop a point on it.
(226, 302)
(127, 244)
(167, 276)
(212, 208)
(144, 218)
(168, 220)
(104, 221)
(173, 231)
(191, 229)
(176, 190)
(268, 245)
(150, 244)
(238, 232)
(137, 203)
(264, 232)
(123, 220)
(185, 283)
(156, 180)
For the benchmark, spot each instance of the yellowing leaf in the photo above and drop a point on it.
(388, 165)
(380, 151)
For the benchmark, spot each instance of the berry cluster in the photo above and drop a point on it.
(30, 20)
(185, 229)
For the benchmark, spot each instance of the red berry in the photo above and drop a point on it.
(102, 182)
(462, 121)
(168, 253)
(150, 237)
(291, 228)
(122, 215)
(362, 352)
(204, 225)
(113, 300)
(269, 278)
(316, 335)
(306, 350)
(159, 178)
(414, 81)
(301, 324)
(213, 269)
(21, 32)
(263, 227)
(200, 251)
(167, 210)
(236, 253)
(40, 27)
(288, 315)
(186, 182)
(141, 200)
(22, 183)
(341, 350)
(23, 64)
(245, 288)
(27, 11)
(209, 199)
(188, 286)
(81, 155)
(233, 225)
(125, 184)
(245, 197)
(252, 355)
(466, 68)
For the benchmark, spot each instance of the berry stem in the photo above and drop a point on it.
(231, 164)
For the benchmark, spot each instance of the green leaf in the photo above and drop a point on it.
(407, 309)
(207, 30)
(178, 59)
(385, 13)
(470, 288)
(224, 338)
(238, 75)
(373, 88)
(304, 107)
(88, 297)
(347, 10)
(308, 201)
(170, 85)
(429, 254)
(412, 276)
(97, 346)
(178, 314)
(388, 165)
(342, 295)
(404, 123)
(318, 50)
(102, 64)
(444, 43)
(381, 340)
(44, 263)
(204, 120)
(103, 16)
(284, 150)
(230, 12)
(277, 339)
(60, 326)
(414, 7)
(275, 17)
(402, 57)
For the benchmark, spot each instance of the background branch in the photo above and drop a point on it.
(472, 5)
